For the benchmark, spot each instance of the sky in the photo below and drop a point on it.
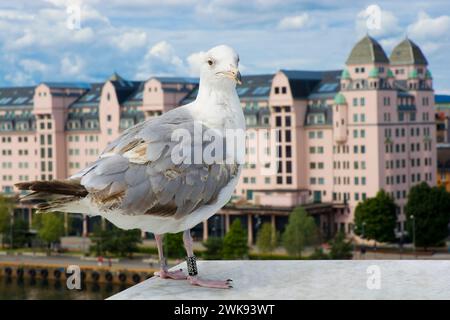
(47, 40)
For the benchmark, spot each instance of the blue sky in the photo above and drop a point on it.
(141, 38)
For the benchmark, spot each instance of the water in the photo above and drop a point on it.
(39, 289)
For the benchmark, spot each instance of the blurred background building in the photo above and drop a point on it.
(334, 137)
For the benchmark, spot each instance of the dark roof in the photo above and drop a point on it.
(15, 97)
(442, 98)
(328, 87)
(90, 98)
(254, 87)
(69, 85)
(137, 96)
(407, 52)
(302, 83)
(367, 50)
(177, 80)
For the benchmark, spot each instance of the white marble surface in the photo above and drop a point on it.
(401, 279)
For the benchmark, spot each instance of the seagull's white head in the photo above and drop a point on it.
(219, 67)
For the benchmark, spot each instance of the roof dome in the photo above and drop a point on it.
(390, 74)
(407, 52)
(367, 50)
(339, 99)
(345, 74)
(413, 74)
(373, 73)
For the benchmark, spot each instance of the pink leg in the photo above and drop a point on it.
(164, 272)
(194, 279)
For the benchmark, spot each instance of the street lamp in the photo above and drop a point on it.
(400, 234)
(414, 233)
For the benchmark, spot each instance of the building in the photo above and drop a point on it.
(322, 139)
(442, 109)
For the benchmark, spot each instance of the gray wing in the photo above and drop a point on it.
(136, 173)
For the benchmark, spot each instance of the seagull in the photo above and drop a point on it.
(151, 177)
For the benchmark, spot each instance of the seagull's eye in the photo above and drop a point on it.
(210, 62)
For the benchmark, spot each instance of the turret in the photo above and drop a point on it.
(340, 114)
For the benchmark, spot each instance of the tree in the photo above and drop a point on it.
(300, 231)
(340, 247)
(214, 247)
(430, 207)
(266, 240)
(50, 228)
(116, 241)
(174, 246)
(235, 242)
(378, 215)
(5, 218)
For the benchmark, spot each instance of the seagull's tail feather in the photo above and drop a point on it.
(56, 195)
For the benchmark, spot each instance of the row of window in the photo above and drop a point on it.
(415, 177)
(315, 180)
(345, 196)
(401, 132)
(345, 165)
(346, 181)
(46, 166)
(315, 134)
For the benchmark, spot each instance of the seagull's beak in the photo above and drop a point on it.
(232, 74)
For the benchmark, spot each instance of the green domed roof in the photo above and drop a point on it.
(373, 73)
(390, 74)
(367, 50)
(345, 74)
(339, 99)
(413, 74)
(428, 75)
(407, 52)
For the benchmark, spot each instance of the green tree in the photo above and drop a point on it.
(341, 248)
(174, 246)
(378, 215)
(300, 231)
(430, 207)
(5, 218)
(267, 239)
(214, 247)
(235, 242)
(50, 228)
(115, 241)
(19, 234)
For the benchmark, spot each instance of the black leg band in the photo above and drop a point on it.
(192, 265)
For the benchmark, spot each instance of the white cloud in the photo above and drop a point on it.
(427, 27)
(294, 22)
(19, 78)
(15, 15)
(194, 62)
(389, 24)
(164, 52)
(161, 59)
(72, 65)
(132, 39)
(31, 65)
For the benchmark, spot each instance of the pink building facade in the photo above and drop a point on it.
(334, 137)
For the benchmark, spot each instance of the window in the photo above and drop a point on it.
(288, 121)
(283, 90)
(362, 102)
(49, 139)
(109, 118)
(355, 102)
(288, 135)
(277, 90)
